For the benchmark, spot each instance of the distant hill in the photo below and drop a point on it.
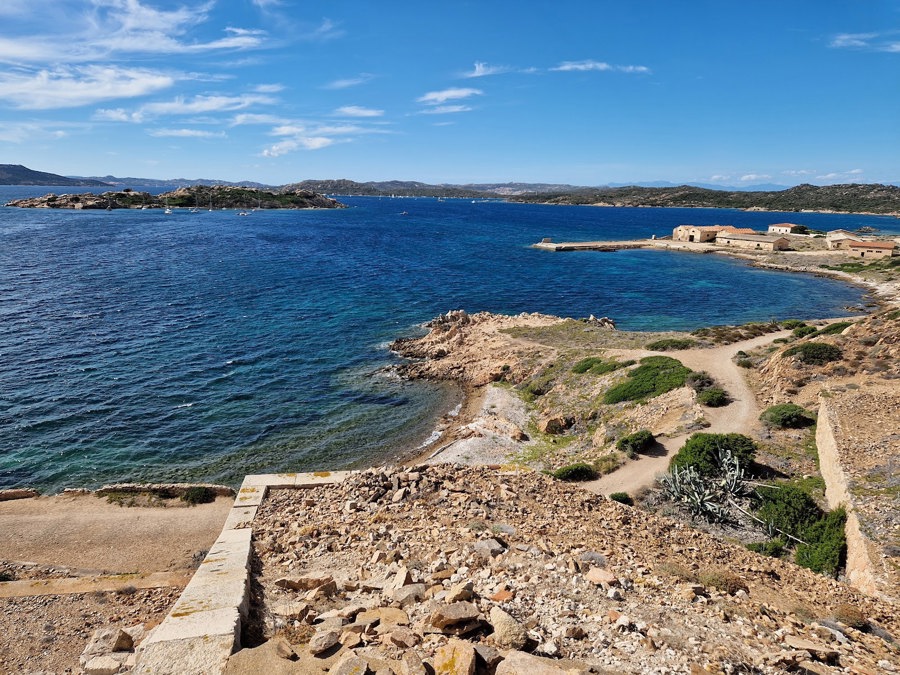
(847, 198)
(398, 188)
(174, 182)
(16, 174)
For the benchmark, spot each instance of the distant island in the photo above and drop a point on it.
(16, 174)
(849, 198)
(197, 196)
(865, 198)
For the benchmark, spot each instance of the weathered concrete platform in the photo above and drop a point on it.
(605, 246)
(204, 626)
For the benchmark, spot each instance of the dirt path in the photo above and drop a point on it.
(740, 416)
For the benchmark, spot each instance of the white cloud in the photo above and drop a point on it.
(113, 115)
(204, 104)
(855, 40)
(854, 172)
(840, 175)
(446, 109)
(601, 66)
(327, 30)
(252, 118)
(452, 94)
(297, 143)
(78, 86)
(755, 176)
(348, 82)
(357, 111)
(798, 172)
(268, 88)
(482, 69)
(185, 133)
(719, 177)
(22, 132)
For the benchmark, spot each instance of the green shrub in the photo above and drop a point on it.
(671, 344)
(803, 331)
(791, 324)
(815, 353)
(744, 362)
(656, 375)
(714, 397)
(622, 498)
(634, 443)
(702, 452)
(575, 472)
(597, 366)
(774, 548)
(825, 550)
(787, 416)
(835, 328)
(199, 495)
(788, 508)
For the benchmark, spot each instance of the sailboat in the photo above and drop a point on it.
(168, 210)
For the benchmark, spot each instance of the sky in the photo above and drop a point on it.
(588, 92)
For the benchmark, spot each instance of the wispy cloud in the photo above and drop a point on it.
(600, 66)
(452, 94)
(348, 82)
(25, 132)
(357, 111)
(446, 109)
(754, 176)
(301, 135)
(482, 69)
(841, 175)
(101, 29)
(194, 105)
(879, 42)
(185, 133)
(326, 30)
(255, 118)
(718, 178)
(78, 86)
(798, 172)
(268, 88)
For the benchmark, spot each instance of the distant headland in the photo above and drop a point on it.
(862, 198)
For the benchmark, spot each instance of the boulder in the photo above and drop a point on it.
(322, 641)
(454, 613)
(102, 665)
(350, 664)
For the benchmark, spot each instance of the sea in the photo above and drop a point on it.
(140, 346)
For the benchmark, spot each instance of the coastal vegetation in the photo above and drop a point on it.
(707, 453)
(787, 416)
(654, 376)
(815, 353)
(633, 444)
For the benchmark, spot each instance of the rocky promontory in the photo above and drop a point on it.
(196, 196)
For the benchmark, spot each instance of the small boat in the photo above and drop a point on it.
(243, 213)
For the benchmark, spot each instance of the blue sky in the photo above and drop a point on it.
(589, 92)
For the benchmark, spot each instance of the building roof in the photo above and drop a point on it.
(783, 225)
(872, 244)
(832, 233)
(741, 236)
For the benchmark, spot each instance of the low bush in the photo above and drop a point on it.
(699, 380)
(597, 366)
(622, 498)
(656, 375)
(722, 580)
(199, 495)
(634, 443)
(671, 344)
(815, 353)
(835, 328)
(702, 452)
(788, 508)
(791, 324)
(744, 362)
(787, 416)
(825, 550)
(803, 331)
(575, 472)
(714, 397)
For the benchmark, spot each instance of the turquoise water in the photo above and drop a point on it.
(140, 346)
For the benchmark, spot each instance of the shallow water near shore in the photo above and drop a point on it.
(140, 346)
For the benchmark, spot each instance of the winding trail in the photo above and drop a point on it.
(740, 416)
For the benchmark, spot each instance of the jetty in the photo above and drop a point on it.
(605, 246)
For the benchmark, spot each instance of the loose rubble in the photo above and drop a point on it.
(449, 569)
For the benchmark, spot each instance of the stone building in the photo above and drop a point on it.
(781, 228)
(838, 239)
(704, 233)
(871, 249)
(757, 242)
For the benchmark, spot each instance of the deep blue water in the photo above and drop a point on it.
(140, 346)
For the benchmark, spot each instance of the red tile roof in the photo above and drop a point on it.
(872, 244)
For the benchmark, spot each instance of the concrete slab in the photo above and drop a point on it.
(240, 517)
(185, 657)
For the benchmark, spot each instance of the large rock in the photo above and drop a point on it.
(508, 633)
(323, 641)
(102, 665)
(350, 664)
(104, 641)
(454, 613)
(520, 663)
(455, 658)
